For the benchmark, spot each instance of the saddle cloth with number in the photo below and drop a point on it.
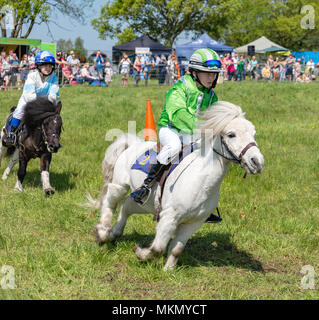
(148, 158)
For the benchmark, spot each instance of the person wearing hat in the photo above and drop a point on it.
(190, 95)
(40, 82)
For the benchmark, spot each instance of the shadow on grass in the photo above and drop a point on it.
(61, 182)
(213, 249)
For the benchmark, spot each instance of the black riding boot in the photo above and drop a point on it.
(213, 218)
(11, 138)
(156, 172)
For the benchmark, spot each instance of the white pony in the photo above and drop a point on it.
(191, 191)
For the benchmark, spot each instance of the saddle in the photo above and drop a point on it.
(145, 161)
(5, 129)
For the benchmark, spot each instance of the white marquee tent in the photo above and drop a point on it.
(261, 45)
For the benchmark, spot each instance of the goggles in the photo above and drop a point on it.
(209, 64)
(212, 64)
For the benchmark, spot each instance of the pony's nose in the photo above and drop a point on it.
(258, 163)
(53, 148)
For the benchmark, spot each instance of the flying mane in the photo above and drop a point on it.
(38, 110)
(218, 115)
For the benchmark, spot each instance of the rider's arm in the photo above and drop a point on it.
(177, 111)
(53, 93)
(29, 93)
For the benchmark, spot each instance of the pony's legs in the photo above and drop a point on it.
(13, 160)
(114, 194)
(120, 224)
(176, 247)
(164, 232)
(23, 162)
(45, 161)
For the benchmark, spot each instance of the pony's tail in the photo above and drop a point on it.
(111, 155)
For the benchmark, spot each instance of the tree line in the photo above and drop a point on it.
(234, 22)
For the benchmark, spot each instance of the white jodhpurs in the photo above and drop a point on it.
(171, 141)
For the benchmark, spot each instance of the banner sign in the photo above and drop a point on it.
(142, 50)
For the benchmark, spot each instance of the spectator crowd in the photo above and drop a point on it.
(238, 68)
(14, 72)
(145, 66)
(166, 70)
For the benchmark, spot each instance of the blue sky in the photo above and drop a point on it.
(72, 30)
(66, 28)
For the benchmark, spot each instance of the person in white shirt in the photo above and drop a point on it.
(125, 64)
(310, 66)
(69, 57)
(73, 62)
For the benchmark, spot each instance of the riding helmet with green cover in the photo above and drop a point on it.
(205, 60)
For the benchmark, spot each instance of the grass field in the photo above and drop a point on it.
(270, 222)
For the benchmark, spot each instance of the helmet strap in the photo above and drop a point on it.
(215, 81)
(196, 78)
(43, 74)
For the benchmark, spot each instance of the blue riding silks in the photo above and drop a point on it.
(14, 122)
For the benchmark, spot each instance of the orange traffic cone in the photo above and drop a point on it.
(149, 131)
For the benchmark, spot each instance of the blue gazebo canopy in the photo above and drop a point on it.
(204, 41)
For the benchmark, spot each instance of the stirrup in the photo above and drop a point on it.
(213, 218)
(137, 197)
(11, 139)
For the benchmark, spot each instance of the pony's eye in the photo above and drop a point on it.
(231, 135)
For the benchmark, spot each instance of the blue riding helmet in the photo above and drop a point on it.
(44, 57)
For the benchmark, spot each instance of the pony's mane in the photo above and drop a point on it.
(38, 110)
(218, 115)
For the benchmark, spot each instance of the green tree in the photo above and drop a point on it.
(79, 49)
(77, 46)
(278, 20)
(64, 45)
(159, 19)
(27, 13)
(126, 35)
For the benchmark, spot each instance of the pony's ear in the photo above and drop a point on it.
(59, 106)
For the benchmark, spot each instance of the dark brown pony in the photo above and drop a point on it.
(39, 137)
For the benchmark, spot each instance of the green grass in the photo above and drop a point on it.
(50, 241)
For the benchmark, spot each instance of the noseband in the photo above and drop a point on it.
(233, 157)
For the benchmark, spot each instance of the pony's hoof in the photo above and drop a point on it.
(5, 174)
(138, 252)
(18, 187)
(101, 233)
(49, 191)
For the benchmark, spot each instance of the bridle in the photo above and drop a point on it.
(44, 134)
(233, 158)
